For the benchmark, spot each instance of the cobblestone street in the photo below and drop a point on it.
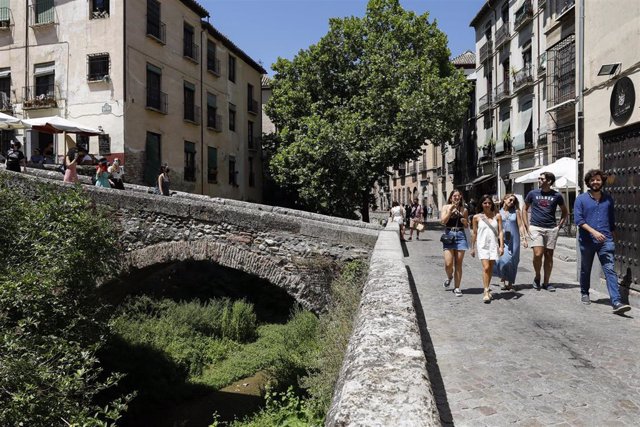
(531, 358)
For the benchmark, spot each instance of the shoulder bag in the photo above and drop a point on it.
(448, 239)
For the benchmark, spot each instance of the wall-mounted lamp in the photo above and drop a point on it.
(609, 69)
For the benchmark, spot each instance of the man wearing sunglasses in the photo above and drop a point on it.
(542, 228)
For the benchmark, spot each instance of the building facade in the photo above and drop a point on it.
(163, 84)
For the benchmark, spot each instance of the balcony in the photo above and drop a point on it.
(157, 101)
(484, 103)
(215, 123)
(191, 51)
(412, 168)
(252, 106)
(5, 18)
(254, 144)
(40, 97)
(542, 140)
(502, 91)
(485, 51)
(563, 8)
(487, 152)
(192, 113)
(6, 106)
(42, 13)
(502, 34)
(564, 142)
(523, 15)
(213, 66)
(157, 30)
(523, 78)
(423, 165)
(542, 64)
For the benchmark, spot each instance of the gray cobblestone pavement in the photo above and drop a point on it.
(530, 358)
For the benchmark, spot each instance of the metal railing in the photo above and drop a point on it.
(192, 113)
(157, 101)
(563, 141)
(254, 143)
(191, 51)
(502, 91)
(412, 168)
(40, 96)
(485, 51)
(213, 65)
(487, 152)
(423, 165)
(523, 77)
(542, 64)
(561, 74)
(523, 15)
(542, 3)
(484, 103)
(542, 140)
(157, 30)
(42, 12)
(502, 34)
(215, 122)
(5, 18)
(563, 6)
(252, 106)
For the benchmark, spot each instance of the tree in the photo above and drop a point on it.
(365, 97)
(54, 247)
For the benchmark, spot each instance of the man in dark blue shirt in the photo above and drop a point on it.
(595, 218)
(542, 229)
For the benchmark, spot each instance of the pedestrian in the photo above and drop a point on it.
(594, 215)
(416, 218)
(397, 215)
(71, 164)
(488, 237)
(407, 217)
(430, 211)
(102, 176)
(117, 173)
(15, 158)
(512, 226)
(454, 217)
(37, 159)
(163, 181)
(543, 230)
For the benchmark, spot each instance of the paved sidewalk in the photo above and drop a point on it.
(530, 358)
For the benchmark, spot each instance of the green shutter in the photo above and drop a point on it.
(212, 164)
(4, 10)
(152, 159)
(212, 100)
(44, 11)
(189, 147)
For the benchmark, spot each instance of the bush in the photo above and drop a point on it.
(53, 249)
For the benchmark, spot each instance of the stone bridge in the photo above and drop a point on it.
(297, 251)
(384, 380)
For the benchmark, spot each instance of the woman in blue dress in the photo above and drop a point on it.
(507, 265)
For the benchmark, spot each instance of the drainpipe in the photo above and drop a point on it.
(202, 104)
(580, 110)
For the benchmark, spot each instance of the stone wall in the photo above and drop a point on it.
(384, 380)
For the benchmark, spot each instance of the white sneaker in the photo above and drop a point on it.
(457, 292)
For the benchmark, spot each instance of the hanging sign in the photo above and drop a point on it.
(623, 98)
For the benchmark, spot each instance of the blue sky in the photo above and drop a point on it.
(266, 29)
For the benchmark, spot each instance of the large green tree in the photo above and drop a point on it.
(365, 97)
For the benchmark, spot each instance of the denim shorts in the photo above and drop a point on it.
(459, 242)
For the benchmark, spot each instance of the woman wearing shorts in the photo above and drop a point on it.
(455, 219)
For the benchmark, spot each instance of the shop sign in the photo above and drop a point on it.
(623, 99)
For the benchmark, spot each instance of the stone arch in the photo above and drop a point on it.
(302, 281)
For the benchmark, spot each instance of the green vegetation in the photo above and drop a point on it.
(364, 98)
(53, 249)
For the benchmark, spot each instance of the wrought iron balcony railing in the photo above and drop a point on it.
(485, 51)
(484, 103)
(157, 101)
(214, 122)
(192, 113)
(252, 106)
(523, 77)
(42, 13)
(523, 15)
(191, 51)
(5, 18)
(254, 143)
(157, 30)
(213, 66)
(502, 34)
(563, 141)
(502, 91)
(40, 96)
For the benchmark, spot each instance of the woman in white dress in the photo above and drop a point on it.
(397, 215)
(488, 238)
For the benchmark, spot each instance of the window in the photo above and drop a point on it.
(152, 158)
(5, 89)
(232, 117)
(189, 49)
(213, 64)
(232, 171)
(44, 12)
(156, 99)
(189, 96)
(252, 104)
(232, 68)
(5, 14)
(45, 77)
(252, 175)
(189, 161)
(250, 135)
(155, 27)
(104, 144)
(99, 9)
(213, 120)
(98, 65)
(212, 164)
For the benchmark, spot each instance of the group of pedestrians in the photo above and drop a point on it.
(498, 234)
(412, 217)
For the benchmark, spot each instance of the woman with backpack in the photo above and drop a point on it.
(488, 237)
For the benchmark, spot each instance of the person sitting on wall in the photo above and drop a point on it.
(37, 159)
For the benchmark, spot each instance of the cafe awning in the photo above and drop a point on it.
(8, 122)
(55, 124)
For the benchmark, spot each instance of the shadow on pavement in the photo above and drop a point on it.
(435, 377)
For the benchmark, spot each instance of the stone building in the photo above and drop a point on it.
(163, 84)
